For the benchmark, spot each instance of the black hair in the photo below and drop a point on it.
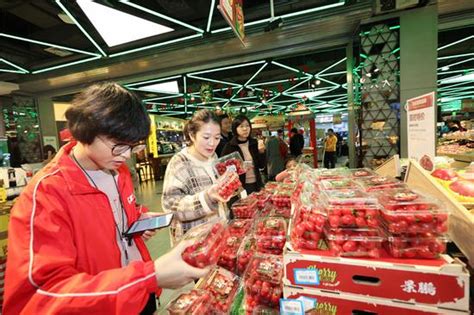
(330, 130)
(237, 122)
(294, 130)
(199, 118)
(280, 131)
(107, 109)
(289, 159)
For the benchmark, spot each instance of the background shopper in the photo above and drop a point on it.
(190, 188)
(290, 164)
(252, 152)
(275, 160)
(66, 249)
(330, 149)
(296, 143)
(226, 134)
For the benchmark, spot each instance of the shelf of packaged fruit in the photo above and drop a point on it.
(461, 220)
(464, 157)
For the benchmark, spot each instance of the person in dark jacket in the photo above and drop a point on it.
(226, 134)
(251, 150)
(296, 142)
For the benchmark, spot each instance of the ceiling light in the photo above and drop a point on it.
(119, 27)
(459, 78)
(445, 68)
(65, 18)
(166, 87)
(311, 94)
(318, 82)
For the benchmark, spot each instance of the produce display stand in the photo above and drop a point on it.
(461, 221)
(391, 167)
(464, 157)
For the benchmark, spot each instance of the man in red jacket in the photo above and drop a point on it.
(67, 253)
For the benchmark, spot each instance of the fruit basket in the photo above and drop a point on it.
(345, 183)
(231, 162)
(223, 286)
(228, 255)
(207, 244)
(245, 208)
(407, 211)
(229, 185)
(307, 227)
(377, 183)
(246, 251)
(239, 227)
(263, 280)
(350, 242)
(194, 302)
(423, 246)
(270, 234)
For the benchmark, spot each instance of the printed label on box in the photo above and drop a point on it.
(291, 307)
(308, 303)
(231, 168)
(306, 276)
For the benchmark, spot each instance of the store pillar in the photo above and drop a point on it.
(47, 119)
(418, 60)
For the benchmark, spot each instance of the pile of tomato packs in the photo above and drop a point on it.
(342, 212)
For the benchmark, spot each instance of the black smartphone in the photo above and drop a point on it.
(153, 223)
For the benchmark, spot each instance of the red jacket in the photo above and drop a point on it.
(63, 255)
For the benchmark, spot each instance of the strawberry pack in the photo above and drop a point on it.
(245, 208)
(230, 162)
(229, 185)
(207, 244)
(377, 183)
(222, 285)
(228, 256)
(246, 251)
(239, 227)
(345, 183)
(194, 302)
(424, 246)
(307, 227)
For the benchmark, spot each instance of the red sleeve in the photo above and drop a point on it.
(50, 275)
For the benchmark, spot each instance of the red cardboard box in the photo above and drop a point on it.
(441, 283)
(323, 302)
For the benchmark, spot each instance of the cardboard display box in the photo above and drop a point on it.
(316, 301)
(442, 283)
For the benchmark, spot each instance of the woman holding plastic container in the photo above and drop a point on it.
(190, 188)
(251, 150)
(68, 252)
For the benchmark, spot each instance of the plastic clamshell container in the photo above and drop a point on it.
(407, 211)
(307, 227)
(376, 183)
(349, 197)
(353, 215)
(280, 212)
(262, 198)
(335, 173)
(423, 246)
(351, 242)
(282, 198)
(223, 286)
(263, 280)
(231, 162)
(194, 302)
(362, 172)
(345, 183)
(207, 243)
(270, 234)
(246, 251)
(229, 250)
(229, 185)
(239, 227)
(245, 208)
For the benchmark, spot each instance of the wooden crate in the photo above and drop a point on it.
(461, 221)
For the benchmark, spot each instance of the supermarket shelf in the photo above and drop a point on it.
(465, 157)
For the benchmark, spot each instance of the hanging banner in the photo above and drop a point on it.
(233, 13)
(421, 124)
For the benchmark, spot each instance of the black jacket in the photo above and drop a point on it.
(222, 143)
(259, 159)
(296, 144)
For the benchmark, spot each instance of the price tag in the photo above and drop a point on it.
(308, 303)
(306, 276)
(291, 307)
(231, 168)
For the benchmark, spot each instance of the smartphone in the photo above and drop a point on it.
(153, 223)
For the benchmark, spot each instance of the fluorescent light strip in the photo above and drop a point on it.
(245, 102)
(456, 63)
(449, 89)
(153, 81)
(337, 85)
(333, 73)
(12, 71)
(451, 85)
(14, 65)
(456, 42)
(66, 64)
(165, 17)
(290, 68)
(58, 2)
(459, 78)
(455, 71)
(324, 7)
(256, 73)
(161, 98)
(274, 82)
(48, 44)
(331, 66)
(228, 67)
(177, 40)
(211, 13)
(185, 90)
(297, 84)
(212, 80)
(456, 56)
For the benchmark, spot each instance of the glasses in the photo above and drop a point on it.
(121, 148)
